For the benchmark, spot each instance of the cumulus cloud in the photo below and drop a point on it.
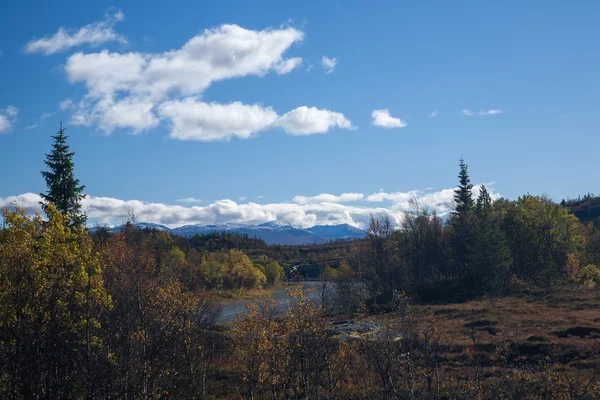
(481, 113)
(442, 202)
(323, 209)
(105, 210)
(189, 200)
(310, 120)
(92, 34)
(329, 198)
(142, 82)
(192, 119)
(288, 65)
(4, 123)
(196, 120)
(383, 119)
(7, 118)
(329, 64)
(11, 111)
(66, 104)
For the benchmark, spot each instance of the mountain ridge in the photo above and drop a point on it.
(271, 233)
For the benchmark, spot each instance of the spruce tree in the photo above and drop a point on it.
(64, 190)
(463, 231)
(492, 258)
(483, 207)
(463, 198)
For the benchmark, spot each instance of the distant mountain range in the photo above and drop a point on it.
(270, 232)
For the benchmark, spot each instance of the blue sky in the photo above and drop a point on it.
(249, 119)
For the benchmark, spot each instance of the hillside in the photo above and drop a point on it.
(586, 208)
(271, 233)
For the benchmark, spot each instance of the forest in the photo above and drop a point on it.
(498, 301)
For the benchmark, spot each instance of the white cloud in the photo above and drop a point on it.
(490, 112)
(127, 113)
(433, 114)
(4, 123)
(29, 201)
(92, 34)
(140, 80)
(243, 198)
(66, 104)
(11, 111)
(441, 201)
(383, 119)
(310, 120)
(7, 118)
(324, 209)
(189, 200)
(329, 64)
(105, 210)
(32, 126)
(329, 198)
(194, 120)
(288, 65)
(481, 113)
(47, 115)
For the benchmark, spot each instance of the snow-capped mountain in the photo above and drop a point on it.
(270, 232)
(343, 231)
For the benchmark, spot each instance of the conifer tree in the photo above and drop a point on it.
(463, 193)
(483, 207)
(64, 190)
(463, 233)
(492, 258)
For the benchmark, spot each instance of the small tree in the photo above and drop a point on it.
(273, 272)
(64, 190)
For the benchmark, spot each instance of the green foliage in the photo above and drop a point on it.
(540, 234)
(273, 272)
(173, 263)
(237, 270)
(589, 276)
(64, 190)
(484, 245)
(52, 298)
(491, 256)
(327, 274)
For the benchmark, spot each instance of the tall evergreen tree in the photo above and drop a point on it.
(64, 190)
(463, 232)
(483, 207)
(492, 259)
(463, 196)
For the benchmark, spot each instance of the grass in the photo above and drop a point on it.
(560, 330)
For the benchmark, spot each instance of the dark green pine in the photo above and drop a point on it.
(64, 190)
(463, 198)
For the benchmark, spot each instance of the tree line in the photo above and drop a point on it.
(485, 248)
